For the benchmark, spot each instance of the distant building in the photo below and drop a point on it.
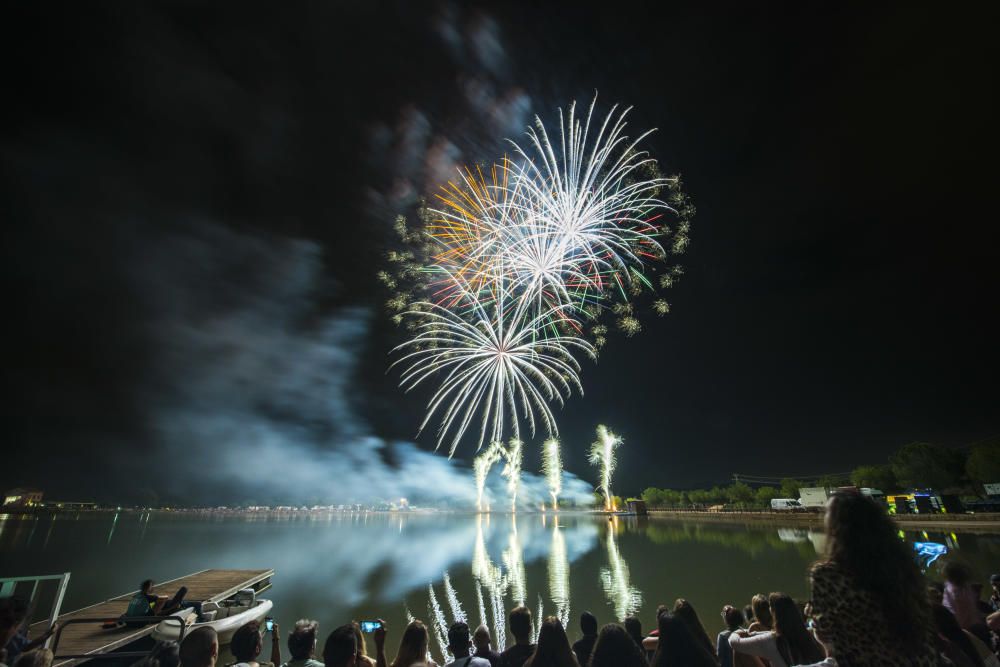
(22, 498)
(638, 507)
(71, 505)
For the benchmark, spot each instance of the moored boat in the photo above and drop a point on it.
(225, 616)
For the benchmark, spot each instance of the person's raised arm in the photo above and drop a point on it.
(761, 644)
(379, 638)
(40, 640)
(275, 645)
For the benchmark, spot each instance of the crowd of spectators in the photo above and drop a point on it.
(870, 605)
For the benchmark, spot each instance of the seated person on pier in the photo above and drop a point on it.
(146, 603)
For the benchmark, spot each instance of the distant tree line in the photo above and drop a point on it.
(924, 465)
(917, 465)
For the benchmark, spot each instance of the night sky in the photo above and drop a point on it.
(197, 197)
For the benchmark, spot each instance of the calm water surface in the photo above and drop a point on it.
(337, 567)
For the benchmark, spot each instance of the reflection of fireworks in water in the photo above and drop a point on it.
(552, 467)
(513, 559)
(439, 623)
(602, 454)
(489, 576)
(457, 613)
(536, 623)
(616, 581)
(512, 471)
(559, 575)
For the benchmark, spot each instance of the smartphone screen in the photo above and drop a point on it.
(370, 626)
(269, 624)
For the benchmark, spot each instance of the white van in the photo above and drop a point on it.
(785, 504)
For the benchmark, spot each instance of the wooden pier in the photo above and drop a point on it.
(90, 639)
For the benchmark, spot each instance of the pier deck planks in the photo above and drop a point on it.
(90, 639)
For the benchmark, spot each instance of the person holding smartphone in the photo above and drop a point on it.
(247, 644)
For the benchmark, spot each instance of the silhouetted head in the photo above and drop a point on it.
(553, 649)
(147, 586)
(957, 573)
(733, 617)
(633, 626)
(684, 611)
(520, 624)
(245, 644)
(200, 648)
(616, 648)
(302, 639)
(481, 638)
(761, 610)
(166, 654)
(588, 624)
(459, 640)
(677, 647)
(341, 647)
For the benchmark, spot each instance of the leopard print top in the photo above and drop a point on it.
(852, 625)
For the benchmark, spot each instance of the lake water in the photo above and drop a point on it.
(338, 567)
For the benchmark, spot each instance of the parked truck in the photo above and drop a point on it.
(813, 498)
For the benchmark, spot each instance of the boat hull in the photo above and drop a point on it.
(224, 627)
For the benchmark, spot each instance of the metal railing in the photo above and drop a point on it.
(125, 620)
(8, 587)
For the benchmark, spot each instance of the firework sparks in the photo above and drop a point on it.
(440, 623)
(481, 468)
(457, 613)
(513, 559)
(559, 575)
(499, 283)
(512, 471)
(602, 454)
(616, 581)
(495, 362)
(552, 467)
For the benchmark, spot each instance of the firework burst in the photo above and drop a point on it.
(501, 282)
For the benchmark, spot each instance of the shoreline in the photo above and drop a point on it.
(985, 521)
(990, 522)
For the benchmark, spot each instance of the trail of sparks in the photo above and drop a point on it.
(552, 467)
(602, 455)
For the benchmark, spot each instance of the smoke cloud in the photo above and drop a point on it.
(253, 393)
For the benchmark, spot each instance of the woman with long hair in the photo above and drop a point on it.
(789, 643)
(413, 647)
(615, 647)
(795, 643)
(553, 649)
(868, 595)
(686, 613)
(362, 658)
(677, 647)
